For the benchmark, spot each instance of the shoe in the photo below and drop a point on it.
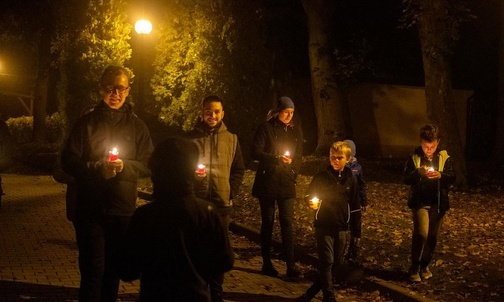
(303, 298)
(425, 273)
(414, 276)
(328, 297)
(269, 270)
(293, 273)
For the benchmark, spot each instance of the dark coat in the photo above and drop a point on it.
(88, 146)
(175, 244)
(338, 193)
(424, 191)
(219, 150)
(274, 178)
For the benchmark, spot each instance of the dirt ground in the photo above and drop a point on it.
(468, 263)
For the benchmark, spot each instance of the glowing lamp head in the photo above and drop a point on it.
(143, 27)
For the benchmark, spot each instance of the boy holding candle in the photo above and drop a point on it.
(332, 193)
(429, 172)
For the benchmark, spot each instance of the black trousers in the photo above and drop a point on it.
(100, 240)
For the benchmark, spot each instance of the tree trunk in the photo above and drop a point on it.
(327, 100)
(42, 86)
(435, 42)
(498, 150)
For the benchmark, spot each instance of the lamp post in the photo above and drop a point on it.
(143, 27)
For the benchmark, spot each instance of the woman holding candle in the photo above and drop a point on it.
(277, 145)
(106, 183)
(429, 172)
(332, 194)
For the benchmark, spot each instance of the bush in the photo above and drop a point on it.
(21, 129)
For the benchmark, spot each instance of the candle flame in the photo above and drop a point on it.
(114, 151)
(201, 166)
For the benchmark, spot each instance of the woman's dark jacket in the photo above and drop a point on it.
(338, 192)
(174, 244)
(424, 191)
(87, 148)
(274, 179)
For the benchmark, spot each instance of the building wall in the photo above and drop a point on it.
(386, 118)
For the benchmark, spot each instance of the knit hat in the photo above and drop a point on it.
(284, 103)
(351, 144)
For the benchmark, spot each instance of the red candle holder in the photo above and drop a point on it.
(201, 169)
(113, 154)
(287, 154)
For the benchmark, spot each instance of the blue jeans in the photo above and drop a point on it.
(100, 240)
(285, 214)
(426, 227)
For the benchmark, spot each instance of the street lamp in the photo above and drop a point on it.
(143, 27)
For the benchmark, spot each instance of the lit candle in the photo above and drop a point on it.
(201, 169)
(113, 154)
(315, 202)
(287, 154)
(430, 170)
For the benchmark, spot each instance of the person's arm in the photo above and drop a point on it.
(138, 167)
(448, 174)
(259, 146)
(362, 188)
(298, 158)
(237, 172)
(411, 174)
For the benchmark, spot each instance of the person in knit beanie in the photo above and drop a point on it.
(356, 214)
(277, 145)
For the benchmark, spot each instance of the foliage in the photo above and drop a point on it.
(457, 12)
(90, 35)
(202, 51)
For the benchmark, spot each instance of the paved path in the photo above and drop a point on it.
(38, 254)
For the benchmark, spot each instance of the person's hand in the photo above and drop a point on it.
(433, 175)
(314, 203)
(286, 159)
(108, 170)
(118, 165)
(199, 175)
(423, 170)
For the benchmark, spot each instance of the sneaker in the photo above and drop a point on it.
(269, 270)
(414, 276)
(425, 273)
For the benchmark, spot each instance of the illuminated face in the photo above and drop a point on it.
(338, 160)
(285, 116)
(429, 147)
(114, 91)
(212, 114)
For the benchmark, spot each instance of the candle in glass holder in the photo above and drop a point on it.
(201, 169)
(113, 154)
(315, 202)
(430, 170)
(287, 154)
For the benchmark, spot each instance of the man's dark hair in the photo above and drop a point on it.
(430, 133)
(210, 99)
(172, 167)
